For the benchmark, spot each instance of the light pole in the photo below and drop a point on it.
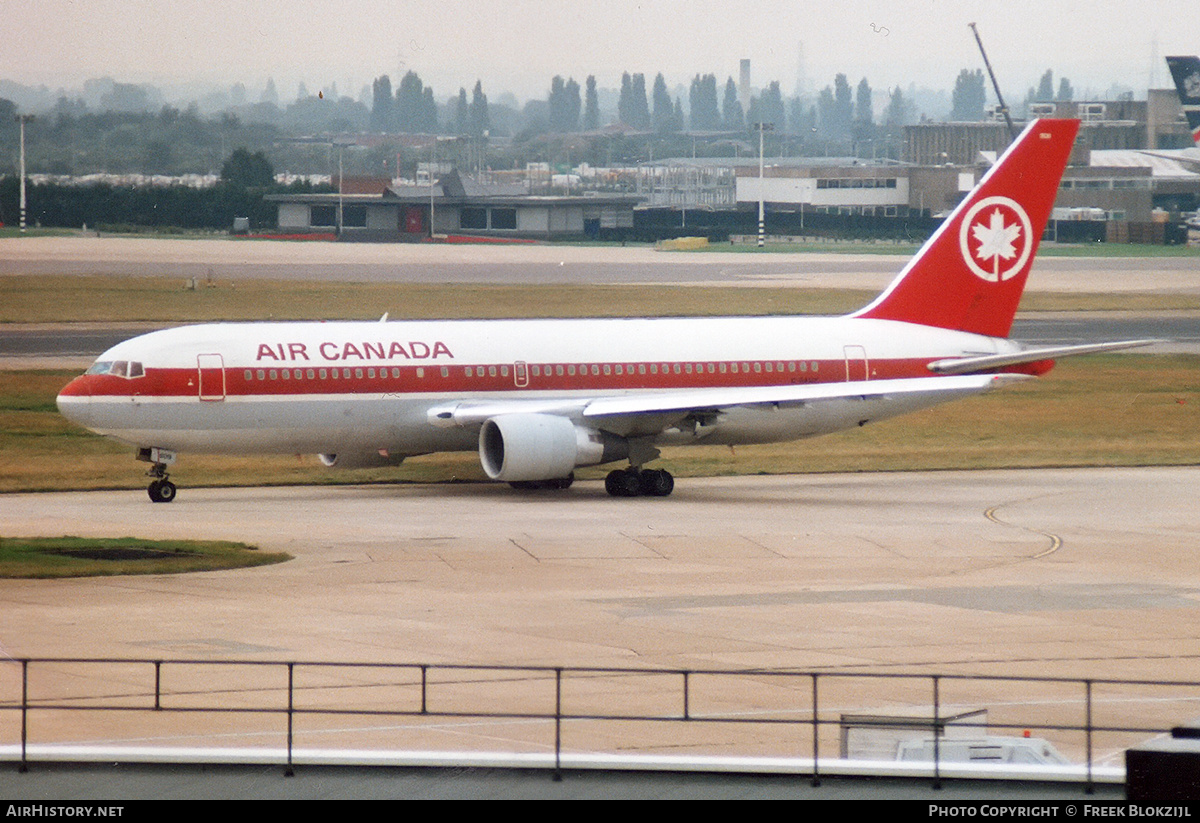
(761, 127)
(23, 119)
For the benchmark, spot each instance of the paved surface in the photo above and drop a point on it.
(1078, 572)
(1073, 573)
(424, 263)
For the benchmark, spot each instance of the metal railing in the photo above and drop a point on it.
(797, 711)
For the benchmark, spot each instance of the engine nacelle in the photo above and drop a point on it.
(359, 460)
(518, 447)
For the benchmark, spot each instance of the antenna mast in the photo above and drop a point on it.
(1012, 132)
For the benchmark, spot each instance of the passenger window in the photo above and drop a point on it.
(322, 374)
(445, 372)
(248, 376)
(420, 372)
(262, 374)
(370, 373)
(273, 374)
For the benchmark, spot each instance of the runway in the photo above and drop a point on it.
(1082, 572)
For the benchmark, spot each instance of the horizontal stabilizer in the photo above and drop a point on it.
(968, 365)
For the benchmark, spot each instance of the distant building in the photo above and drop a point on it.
(455, 206)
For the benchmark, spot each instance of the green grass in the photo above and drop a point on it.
(113, 299)
(55, 557)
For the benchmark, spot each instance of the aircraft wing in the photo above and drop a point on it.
(968, 365)
(714, 400)
(648, 412)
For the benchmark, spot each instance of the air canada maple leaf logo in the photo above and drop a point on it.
(996, 238)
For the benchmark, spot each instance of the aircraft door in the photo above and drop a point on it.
(856, 363)
(520, 374)
(211, 370)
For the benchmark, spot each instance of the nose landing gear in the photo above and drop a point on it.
(161, 490)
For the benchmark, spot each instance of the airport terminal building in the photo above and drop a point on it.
(455, 206)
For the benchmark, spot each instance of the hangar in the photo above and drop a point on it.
(456, 205)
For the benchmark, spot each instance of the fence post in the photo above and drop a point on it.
(816, 779)
(937, 749)
(1089, 788)
(24, 715)
(558, 724)
(291, 705)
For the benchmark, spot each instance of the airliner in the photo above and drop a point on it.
(539, 398)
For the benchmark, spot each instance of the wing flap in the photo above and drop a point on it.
(716, 400)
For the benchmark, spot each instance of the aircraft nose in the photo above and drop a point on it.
(74, 401)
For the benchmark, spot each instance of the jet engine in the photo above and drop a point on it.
(521, 447)
(359, 460)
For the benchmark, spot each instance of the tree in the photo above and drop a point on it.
(564, 105)
(632, 108)
(591, 108)
(899, 111)
(732, 116)
(702, 99)
(246, 170)
(383, 109)
(416, 111)
(968, 97)
(664, 110)
(843, 105)
(864, 113)
(478, 120)
(458, 123)
(1065, 92)
(1045, 89)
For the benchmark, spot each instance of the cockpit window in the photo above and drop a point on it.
(118, 368)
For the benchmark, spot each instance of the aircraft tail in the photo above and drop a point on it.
(1186, 73)
(970, 274)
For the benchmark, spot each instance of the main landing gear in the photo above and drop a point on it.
(634, 482)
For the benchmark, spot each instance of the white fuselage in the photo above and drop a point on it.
(359, 387)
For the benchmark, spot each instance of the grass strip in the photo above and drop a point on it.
(56, 557)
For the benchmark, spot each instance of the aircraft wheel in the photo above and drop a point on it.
(656, 482)
(623, 483)
(161, 491)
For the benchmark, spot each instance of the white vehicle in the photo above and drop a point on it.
(1020, 750)
(538, 398)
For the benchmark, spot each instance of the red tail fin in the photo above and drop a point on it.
(970, 274)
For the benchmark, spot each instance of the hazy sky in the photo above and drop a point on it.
(518, 45)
